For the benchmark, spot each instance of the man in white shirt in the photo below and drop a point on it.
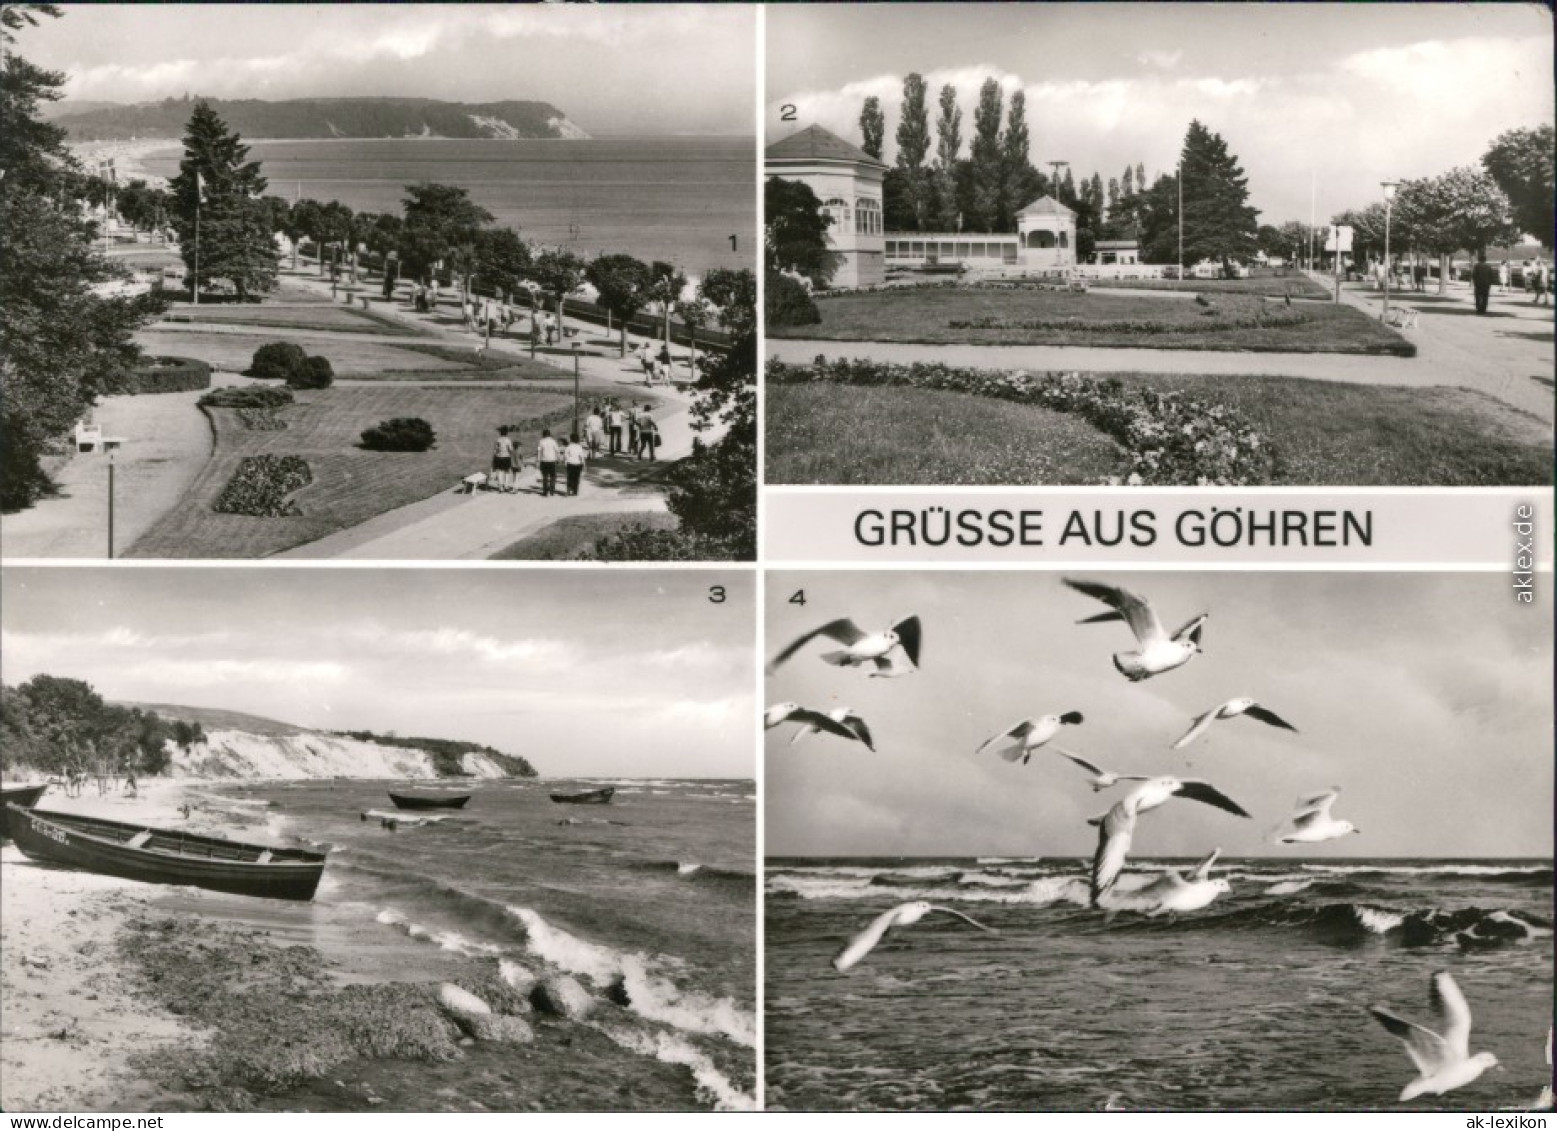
(616, 420)
(546, 453)
(594, 431)
(573, 457)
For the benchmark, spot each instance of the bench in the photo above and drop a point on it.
(1403, 318)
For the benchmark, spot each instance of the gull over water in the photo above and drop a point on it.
(902, 915)
(1442, 1058)
(1101, 778)
(1116, 828)
(811, 722)
(1232, 709)
(1017, 742)
(1312, 822)
(1160, 651)
(847, 718)
(891, 652)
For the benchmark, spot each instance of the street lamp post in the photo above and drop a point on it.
(1389, 188)
(575, 386)
(110, 504)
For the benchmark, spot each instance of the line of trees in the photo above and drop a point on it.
(1465, 209)
(53, 725)
(62, 343)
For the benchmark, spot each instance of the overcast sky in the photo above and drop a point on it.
(630, 673)
(613, 69)
(1347, 95)
(1426, 697)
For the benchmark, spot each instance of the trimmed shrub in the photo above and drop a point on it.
(250, 396)
(787, 303)
(262, 419)
(261, 485)
(167, 375)
(1170, 439)
(278, 361)
(317, 373)
(401, 434)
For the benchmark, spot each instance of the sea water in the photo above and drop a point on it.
(655, 892)
(677, 199)
(1257, 1002)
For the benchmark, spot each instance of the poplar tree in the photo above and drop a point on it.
(948, 145)
(913, 142)
(873, 127)
(988, 158)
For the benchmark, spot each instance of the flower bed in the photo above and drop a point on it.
(247, 396)
(261, 486)
(167, 375)
(1214, 322)
(262, 419)
(1170, 439)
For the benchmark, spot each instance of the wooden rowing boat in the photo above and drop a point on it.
(429, 800)
(23, 797)
(587, 797)
(165, 856)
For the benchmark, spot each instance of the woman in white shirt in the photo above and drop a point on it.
(573, 457)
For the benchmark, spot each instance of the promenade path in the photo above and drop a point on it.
(1507, 354)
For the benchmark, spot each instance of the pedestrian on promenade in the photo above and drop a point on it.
(573, 457)
(503, 461)
(1503, 275)
(646, 360)
(617, 419)
(546, 454)
(648, 434)
(1543, 285)
(594, 430)
(1483, 275)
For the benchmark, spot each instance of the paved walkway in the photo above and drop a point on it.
(1508, 354)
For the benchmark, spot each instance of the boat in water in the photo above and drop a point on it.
(165, 856)
(587, 797)
(429, 800)
(23, 797)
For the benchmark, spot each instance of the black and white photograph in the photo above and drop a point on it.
(1159, 244)
(396, 840)
(398, 281)
(1157, 841)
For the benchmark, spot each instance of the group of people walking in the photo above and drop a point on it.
(610, 430)
(1484, 276)
(656, 366)
(615, 430)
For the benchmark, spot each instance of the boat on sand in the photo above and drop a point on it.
(165, 856)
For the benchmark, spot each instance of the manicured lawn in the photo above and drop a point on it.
(1333, 433)
(1097, 318)
(1260, 283)
(1325, 434)
(568, 538)
(854, 435)
(355, 360)
(341, 319)
(349, 485)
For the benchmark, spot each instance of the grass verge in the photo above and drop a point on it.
(567, 538)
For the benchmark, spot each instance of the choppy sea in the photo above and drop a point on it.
(1257, 1002)
(656, 892)
(677, 199)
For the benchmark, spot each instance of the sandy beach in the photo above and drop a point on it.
(128, 157)
(69, 1025)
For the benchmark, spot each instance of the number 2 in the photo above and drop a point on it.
(787, 112)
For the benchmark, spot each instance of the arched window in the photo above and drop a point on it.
(1040, 238)
(839, 211)
(867, 216)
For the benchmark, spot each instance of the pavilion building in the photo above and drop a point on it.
(847, 181)
(1044, 240)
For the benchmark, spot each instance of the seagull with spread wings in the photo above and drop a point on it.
(1443, 1060)
(812, 721)
(1159, 652)
(891, 652)
(1311, 820)
(900, 916)
(1101, 779)
(1231, 710)
(1116, 828)
(1017, 743)
(1174, 891)
(846, 717)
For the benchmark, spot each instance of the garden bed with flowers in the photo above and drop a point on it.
(262, 486)
(1166, 438)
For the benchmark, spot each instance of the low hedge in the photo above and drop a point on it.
(261, 486)
(262, 419)
(400, 434)
(1170, 439)
(1214, 323)
(247, 396)
(167, 375)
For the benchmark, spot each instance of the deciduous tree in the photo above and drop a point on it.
(1520, 161)
(873, 127)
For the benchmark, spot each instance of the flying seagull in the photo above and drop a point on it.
(1101, 778)
(1017, 743)
(1117, 826)
(893, 651)
(900, 916)
(811, 721)
(1311, 820)
(848, 719)
(1231, 710)
(1175, 891)
(1159, 651)
(1443, 1060)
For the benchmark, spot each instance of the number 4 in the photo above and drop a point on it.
(798, 598)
